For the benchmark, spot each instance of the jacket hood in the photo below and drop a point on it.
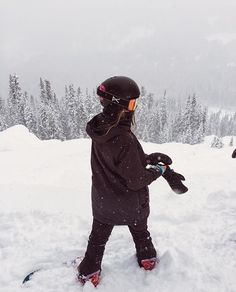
(100, 129)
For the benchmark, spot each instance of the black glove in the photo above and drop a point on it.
(174, 180)
(155, 158)
(234, 154)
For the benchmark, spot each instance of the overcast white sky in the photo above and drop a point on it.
(183, 46)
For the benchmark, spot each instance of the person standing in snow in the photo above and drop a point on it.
(120, 178)
(234, 154)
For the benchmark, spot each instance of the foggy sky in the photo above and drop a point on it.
(183, 46)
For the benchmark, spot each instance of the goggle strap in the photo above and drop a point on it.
(128, 104)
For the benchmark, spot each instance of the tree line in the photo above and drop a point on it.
(159, 120)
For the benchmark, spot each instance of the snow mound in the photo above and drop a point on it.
(17, 137)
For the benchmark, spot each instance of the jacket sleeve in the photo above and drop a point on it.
(131, 169)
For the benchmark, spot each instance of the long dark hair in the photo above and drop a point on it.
(122, 115)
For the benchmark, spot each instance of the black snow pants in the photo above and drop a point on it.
(98, 238)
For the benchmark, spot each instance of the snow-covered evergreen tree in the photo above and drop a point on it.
(15, 104)
(217, 142)
(194, 122)
(142, 115)
(178, 126)
(213, 123)
(163, 111)
(187, 134)
(50, 125)
(43, 117)
(91, 104)
(62, 105)
(82, 113)
(3, 115)
(48, 92)
(154, 124)
(57, 118)
(72, 113)
(29, 114)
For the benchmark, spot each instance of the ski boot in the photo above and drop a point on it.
(93, 278)
(149, 264)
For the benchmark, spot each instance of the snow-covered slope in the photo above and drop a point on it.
(45, 219)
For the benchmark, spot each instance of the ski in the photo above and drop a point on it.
(69, 263)
(29, 276)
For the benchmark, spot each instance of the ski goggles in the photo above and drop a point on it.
(130, 104)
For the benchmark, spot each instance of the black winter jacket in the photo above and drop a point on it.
(120, 194)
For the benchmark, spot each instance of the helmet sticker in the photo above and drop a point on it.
(102, 88)
(115, 99)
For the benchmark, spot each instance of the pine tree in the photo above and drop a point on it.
(62, 105)
(82, 117)
(163, 112)
(178, 126)
(15, 102)
(234, 124)
(213, 123)
(72, 113)
(42, 91)
(3, 115)
(187, 135)
(29, 114)
(49, 122)
(143, 91)
(95, 104)
(204, 121)
(90, 104)
(217, 143)
(141, 114)
(164, 136)
(57, 119)
(48, 92)
(194, 120)
(154, 124)
(43, 118)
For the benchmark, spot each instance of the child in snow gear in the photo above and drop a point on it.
(120, 179)
(234, 154)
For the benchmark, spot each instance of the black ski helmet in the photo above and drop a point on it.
(119, 90)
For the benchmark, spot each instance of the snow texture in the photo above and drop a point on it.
(45, 219)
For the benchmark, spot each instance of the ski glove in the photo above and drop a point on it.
(174, 180)
(155, 158)
(234, 154)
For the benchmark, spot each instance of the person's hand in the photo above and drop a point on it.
(160, 168)
(156, 158)
(234, 154)
(174, 180)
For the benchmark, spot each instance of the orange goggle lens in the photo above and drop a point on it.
(132, 105)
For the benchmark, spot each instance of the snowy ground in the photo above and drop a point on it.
(45, 218)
